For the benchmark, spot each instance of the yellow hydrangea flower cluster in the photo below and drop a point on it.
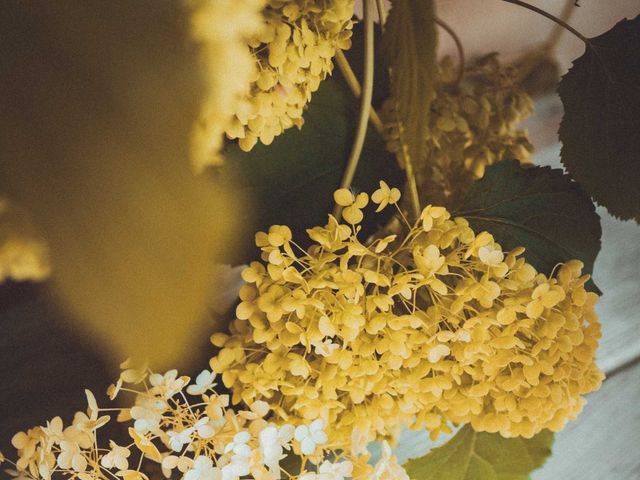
(222, 29)
(437, 326)
(293, 55)
(23, 254)
(471, 126)
(187, 430)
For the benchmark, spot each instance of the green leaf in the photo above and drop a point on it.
(409, 46)
(291, 182)
(599, 132)
(482, 456)
(538, 208)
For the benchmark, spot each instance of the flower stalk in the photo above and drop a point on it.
(365, 103)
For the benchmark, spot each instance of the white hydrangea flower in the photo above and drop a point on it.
(491, 254)
(71, 457)
(204, 382)
(54, 430)
(330, 471)
(239, 444)
(203, 469)
(240, 461)
(273, 442)
(169, 384)
(177, 440)
(236, 468)
(116, 457)
(310, 437)
(388, 467)
(325, 348)
(182, 463)
(147, 414)
(207, 428)
(359, 441)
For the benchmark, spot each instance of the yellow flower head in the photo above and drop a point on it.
(222, 29)
(292, 55)
(470, 127)
(441, 326)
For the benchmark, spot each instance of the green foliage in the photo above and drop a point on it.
(291, 182)
(482, 456)
(599, 132)
(409, 45)
(539, 208)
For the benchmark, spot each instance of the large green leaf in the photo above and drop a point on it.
(600, 130)
(291, 181)
(538, 208)
(409, 46)
(482, 456)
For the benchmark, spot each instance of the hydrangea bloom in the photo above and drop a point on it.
(193, 433)
(222, 29)
(437, 326)
(470, 128)
(293, 54)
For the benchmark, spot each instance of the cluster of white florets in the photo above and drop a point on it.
(188, 430)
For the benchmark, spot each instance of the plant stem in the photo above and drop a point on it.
(447, 28)
(365, 102)
(553, 18)
(412, 185)
(354, 85)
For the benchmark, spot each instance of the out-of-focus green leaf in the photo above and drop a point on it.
(482, 456)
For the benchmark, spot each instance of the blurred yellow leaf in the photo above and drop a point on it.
(97, 101)
(23, 253)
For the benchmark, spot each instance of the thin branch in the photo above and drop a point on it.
(365, 102)
(553, 18)
(447, 28)
(354, 85)
(347, 72)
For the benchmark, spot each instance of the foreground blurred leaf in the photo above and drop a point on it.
(23, 252)
(482, 456)
(97, 100)
(409, 46)
(291, 182)
(538, 208)
(599, 131)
